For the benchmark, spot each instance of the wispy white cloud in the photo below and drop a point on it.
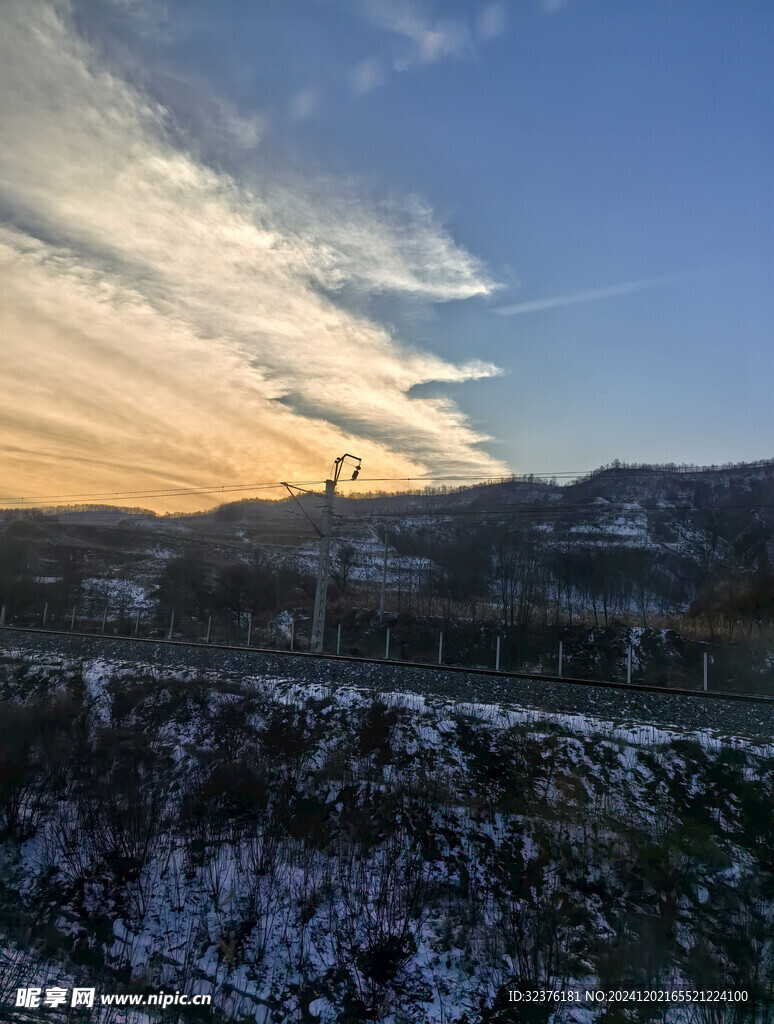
(429, 39)
(491, 21)
(552, 6)
(593, 294)
(304, 103)
(166, 323)
(367, 75)
(424, 38)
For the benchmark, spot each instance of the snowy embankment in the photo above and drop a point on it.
(310, 852)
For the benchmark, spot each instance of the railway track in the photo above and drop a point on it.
(712, 696)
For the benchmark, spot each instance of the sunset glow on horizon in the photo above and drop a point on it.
(235, 245)
(168, 327)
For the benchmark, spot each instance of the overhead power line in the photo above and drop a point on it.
(481, 479)
(47, 499)
(265, 485)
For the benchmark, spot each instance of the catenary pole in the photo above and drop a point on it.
(323, 569)
(324, 563)
(384, 578)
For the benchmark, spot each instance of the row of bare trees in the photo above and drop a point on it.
(524, 575)
(522, 571)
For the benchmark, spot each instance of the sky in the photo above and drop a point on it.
(457, 239)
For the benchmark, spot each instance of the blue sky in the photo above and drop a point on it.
(239, 237)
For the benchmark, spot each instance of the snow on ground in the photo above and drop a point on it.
(118, 593)
(179, 923)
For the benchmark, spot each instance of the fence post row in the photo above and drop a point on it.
(387, 642)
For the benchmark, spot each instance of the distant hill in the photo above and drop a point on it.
(624, 538)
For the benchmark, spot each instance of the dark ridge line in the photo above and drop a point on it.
(750, 698)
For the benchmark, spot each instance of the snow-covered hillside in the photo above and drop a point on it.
(309, 853)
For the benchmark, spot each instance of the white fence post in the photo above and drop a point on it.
(338, 640)
(629, 664)
(104, 619)
(440, 648)
(209, 627)
(497, 656)
(171, 624)
(137, 622)
(249, 628)
(45, 614)
(706, 659)
(561, 658)
(292, 632)
(2, 616)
